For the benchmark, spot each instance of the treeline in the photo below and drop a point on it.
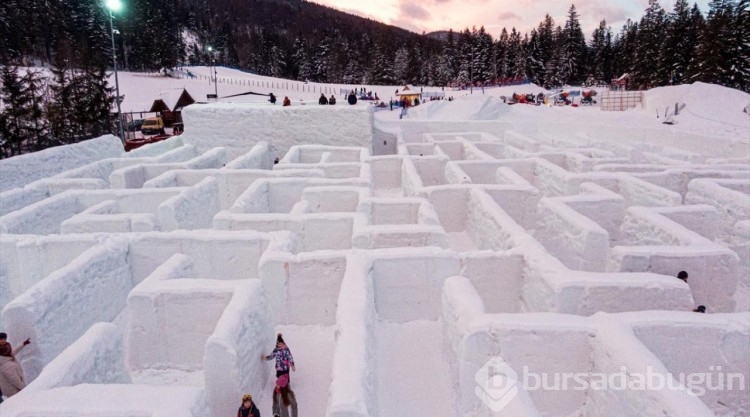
(41, 110)
(301, 40)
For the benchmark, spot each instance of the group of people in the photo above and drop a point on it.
(284, 400)
(326, 101)
(11, 374)
(286, 102)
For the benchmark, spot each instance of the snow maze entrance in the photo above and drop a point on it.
(150, 283)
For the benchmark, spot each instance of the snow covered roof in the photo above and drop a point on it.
(407, 91)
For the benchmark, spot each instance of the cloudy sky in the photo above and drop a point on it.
(431, 15)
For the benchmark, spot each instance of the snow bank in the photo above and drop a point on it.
(477, 107)
(702, 101)
(24, 169)
(235, 126)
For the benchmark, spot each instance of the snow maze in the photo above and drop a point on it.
(151, 282)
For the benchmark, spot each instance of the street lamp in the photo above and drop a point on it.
(216, 78)
(115, 6)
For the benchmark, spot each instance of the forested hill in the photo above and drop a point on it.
(301, 40)
(284, 38)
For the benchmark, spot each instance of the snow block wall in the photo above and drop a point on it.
(24, 169)
(400, 271)
(238, 127)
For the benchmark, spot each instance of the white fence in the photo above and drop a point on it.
(621, 100)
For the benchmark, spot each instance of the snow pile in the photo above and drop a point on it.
(714, 109)
(712, 102)
(477, 107)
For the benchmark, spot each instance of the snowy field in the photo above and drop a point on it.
(409, 262)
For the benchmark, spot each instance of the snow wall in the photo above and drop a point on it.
(24, 169)
(238, 126)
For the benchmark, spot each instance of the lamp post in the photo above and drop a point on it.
(216, 78)
(115, 6)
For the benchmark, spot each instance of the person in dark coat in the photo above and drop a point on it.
(248, 408)
(332, 100)
(272, 98)
(352, 99)
(322, 100)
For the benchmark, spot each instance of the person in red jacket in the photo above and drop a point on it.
(287, 102)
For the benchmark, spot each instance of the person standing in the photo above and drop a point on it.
(284, 398)
(11, 374)
(283, 356)
(248, 408)
(272, 98)
(3, 343)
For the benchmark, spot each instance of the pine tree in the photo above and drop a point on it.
(60, 108)
(555, 71)
(449, 67)
(443, 70)
(535, 69)
(485, 68)
(648, 71)
(22, 125)
(401, 65)
(680, 44)
(624, 49)
(738, 73)
(12, 113)
(600, 71)
(501, 54)
(516, 56)
(573, 50)
(712, 55)
(37, 126)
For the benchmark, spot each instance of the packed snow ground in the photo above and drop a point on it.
(397, 257)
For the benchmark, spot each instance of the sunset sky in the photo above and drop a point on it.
(431, 15)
